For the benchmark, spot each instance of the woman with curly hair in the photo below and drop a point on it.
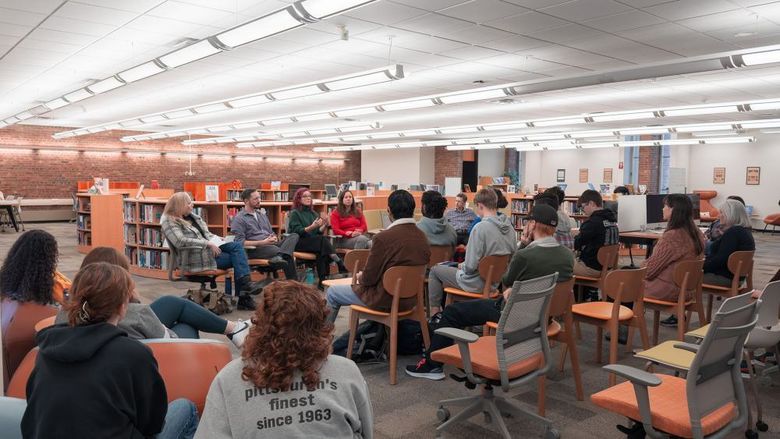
(348, 221)
(309, 226)
(286, 384)
(29, 272)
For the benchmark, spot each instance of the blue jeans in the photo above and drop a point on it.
(181, 421)
(233, 256)
(338, 296)
(186, 318)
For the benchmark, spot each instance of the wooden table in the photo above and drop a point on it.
(642, 238)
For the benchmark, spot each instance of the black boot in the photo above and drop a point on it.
(340, 263)
(244, 285)
(246, 303)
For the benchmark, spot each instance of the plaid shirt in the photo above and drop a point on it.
(460, 220)
(565, 239)
(180, 234)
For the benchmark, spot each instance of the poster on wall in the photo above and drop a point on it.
(583, 175)
(718, 175)
(753, 175)
(212, 192)
(607, 175)
(561, 176)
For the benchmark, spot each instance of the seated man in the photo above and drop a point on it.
(461, 218)
(494, 235)
(541, 256)
(563, 230)
(401, 244)
(252, 229)
(598, 230)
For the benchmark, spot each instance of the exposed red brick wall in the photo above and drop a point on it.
(650, 165)
(53, 174)
(447, 164)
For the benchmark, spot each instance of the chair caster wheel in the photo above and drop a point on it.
(442, 414)
(761, 426)
(750, 434)
(551, 433)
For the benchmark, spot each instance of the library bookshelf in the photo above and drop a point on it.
(520, 208)
(99, 221)
(142, 239)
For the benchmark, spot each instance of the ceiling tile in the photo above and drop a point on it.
(430, 5)
(194, 14)
(537, 4)
(480, 11)
(624, 21)
(95, 14)
(77, 26)
(433, 24)
(565, 34)
(567, 55)
(676, 38)
(623, 49)
(527, 23)
(23, 18)
(722, 20)
(131, 6)
(471, 53)
(579, 10)
(476, 34)
(39, 6)
(14, 30)
(60, 37)
(353, 25)
(386, 13)
(682, 9)
(514, 44)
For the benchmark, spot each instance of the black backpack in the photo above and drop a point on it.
(372, 341)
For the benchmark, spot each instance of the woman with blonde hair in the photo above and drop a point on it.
(91, 379)
(197, 249)
(737, 236)
(286, 384)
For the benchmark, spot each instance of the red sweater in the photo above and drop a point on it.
(342, 225)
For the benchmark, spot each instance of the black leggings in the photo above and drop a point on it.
(321, 246)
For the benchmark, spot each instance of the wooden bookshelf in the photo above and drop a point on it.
(99, 222)
(141, 233)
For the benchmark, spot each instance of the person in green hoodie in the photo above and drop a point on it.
(493, 235)
(91, 380)
(436, 228)
(309, 226)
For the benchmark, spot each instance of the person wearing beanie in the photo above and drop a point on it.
(541, 256)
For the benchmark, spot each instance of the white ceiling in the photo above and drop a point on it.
(51, 47)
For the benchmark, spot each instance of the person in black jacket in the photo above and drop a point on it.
(736, 236)
(91, 380)
(600, 229)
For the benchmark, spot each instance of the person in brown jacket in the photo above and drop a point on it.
(680, 241)
(402, 244)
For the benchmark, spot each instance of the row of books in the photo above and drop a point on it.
(151, 237)
(85, 238)
(275, 196)
(130, 234)
(147, 258)
(150, 213)
(129, 212)
(521, 206)
(84, 222)
(519, 221)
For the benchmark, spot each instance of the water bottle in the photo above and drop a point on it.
(309, 276)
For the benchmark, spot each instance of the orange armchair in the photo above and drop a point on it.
(709, 212)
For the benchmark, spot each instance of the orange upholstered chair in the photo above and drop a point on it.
(188, 366)
(708, 212)
(772, 220)
(17, 387)
(709, 402)
(19, 335)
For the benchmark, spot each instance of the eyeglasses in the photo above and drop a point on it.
(305, 196)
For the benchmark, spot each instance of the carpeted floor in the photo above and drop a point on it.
(408, 409)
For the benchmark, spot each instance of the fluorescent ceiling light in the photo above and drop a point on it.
(701, 111)
(78, 95)
(558, 122)
(555, 136)
(458, 130)
(325, 8)
(408, 105)
(56, 103)
(24, 115)
(153, 119)
(475, 96)
(354, 112)
(311, 117)
(713, 134)
(242, 126)
(142, 71)
(760, 124)
(507, 126)
(105, 85)
(281, 121)
(262, 27)
(386, 74)
(710, 127)
(293, 93)
(252, 100)
(185, 55)
(179, 113)
(643, 130)
(210, 108)
(765, 106)
(752, 59)
(624, 116)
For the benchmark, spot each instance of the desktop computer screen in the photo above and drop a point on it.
(654, 213)
(331, 191)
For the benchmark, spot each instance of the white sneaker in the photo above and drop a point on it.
(239, 335)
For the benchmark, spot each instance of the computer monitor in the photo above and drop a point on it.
(331, 191)
(362, 186)
(293, 187)
(654, 211)
(432, 187)
(415, 187)
(631, 213)
(696, 201)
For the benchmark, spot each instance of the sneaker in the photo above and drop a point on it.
(240, 334)
(424, 370)
(246, 303)
(671, 321)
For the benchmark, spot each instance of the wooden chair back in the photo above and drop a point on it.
(625, 286)
(403, 282)
(440, 253)
(19, 335)
(608, 257)
(741, 265)
(355, 260)
(491, 268)
(562, 298)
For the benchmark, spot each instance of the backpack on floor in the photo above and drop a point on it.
(370, 343)
(213, 300)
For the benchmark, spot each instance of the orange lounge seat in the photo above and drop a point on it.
(668, 407)
(484, 359)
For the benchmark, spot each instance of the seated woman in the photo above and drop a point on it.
(91, 380)
(309, 226)
(286, 384)
(29, 272)
(736, 236)
(348, 221)
(436, 228)
(166, 317)
(680, 241)
(183, 229)
(714, 231)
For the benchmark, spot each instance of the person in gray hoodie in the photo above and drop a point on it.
(494, 235)
(436, 228)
